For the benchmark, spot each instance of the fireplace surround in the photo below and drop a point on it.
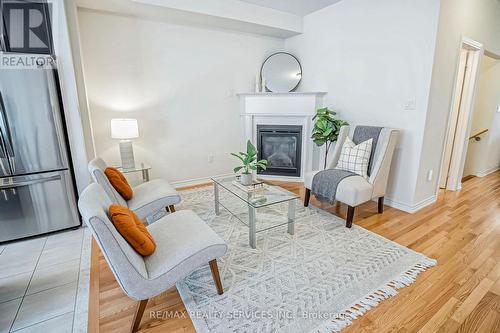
(281, 146)
(279, 116)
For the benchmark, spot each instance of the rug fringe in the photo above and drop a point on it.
(370, 301)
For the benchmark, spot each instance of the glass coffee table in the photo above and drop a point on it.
(258, 198)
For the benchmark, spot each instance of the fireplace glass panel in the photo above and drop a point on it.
(281, 147)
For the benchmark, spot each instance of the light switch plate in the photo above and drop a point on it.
(410, 104)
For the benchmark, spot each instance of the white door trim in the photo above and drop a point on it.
(450, 134)
(461, 134)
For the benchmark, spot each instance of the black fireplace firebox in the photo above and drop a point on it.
(281, 146)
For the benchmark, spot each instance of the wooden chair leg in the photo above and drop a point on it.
(307, 196)
(350, 216)
(380, 205)
(215, 274)
(171, 208)
(139, 311)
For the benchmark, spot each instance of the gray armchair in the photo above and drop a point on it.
(183, 243)
(149, 198)
(355, 190)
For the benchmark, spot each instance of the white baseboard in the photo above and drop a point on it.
(487, 171)
(197, 181)
(410, 208)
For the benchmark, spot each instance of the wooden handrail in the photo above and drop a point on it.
(478, 134)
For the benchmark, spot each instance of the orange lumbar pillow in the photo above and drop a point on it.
(132, 229)
(119, 182)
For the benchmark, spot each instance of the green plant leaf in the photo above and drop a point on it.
(237, 169)
(262, 164)
(251, 150)
(328, 132)
(322, 124)
(238, 156)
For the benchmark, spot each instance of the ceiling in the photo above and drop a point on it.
(236, 15)
(297, 7)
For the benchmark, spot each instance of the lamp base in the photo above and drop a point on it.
(127, 154)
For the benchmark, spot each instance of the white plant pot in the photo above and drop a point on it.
(246, 179)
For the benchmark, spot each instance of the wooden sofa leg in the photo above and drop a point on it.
(350, 216)
(215, 274)
(380, 205)
(139, 311)
(171, 208)
(307, 196)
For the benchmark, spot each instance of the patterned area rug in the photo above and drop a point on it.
(318, 280)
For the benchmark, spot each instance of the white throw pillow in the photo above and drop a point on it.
(355, 158)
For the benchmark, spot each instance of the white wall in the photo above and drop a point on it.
(372, 57)
(475, 19)
(175, 80)
(484, 156)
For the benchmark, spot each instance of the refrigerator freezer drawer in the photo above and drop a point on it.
(36, 204)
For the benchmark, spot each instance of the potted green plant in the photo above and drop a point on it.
(326, 129)
(250, 163)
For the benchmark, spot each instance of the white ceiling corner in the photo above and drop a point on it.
(226, 14)
(296, 7)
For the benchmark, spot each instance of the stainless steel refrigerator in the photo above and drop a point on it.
(37, 193)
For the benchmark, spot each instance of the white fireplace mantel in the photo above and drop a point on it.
(292, 103)
(295, 108)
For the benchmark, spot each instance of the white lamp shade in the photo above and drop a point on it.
(124, 129)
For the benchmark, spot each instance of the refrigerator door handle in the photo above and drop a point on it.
(5, 169)
(29, 182)
(2, 147)
(5, 124)
(53, 92)
(3, 44)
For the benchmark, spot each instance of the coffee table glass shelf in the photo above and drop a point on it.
(265, 196)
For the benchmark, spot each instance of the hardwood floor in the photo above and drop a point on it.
(460, 294)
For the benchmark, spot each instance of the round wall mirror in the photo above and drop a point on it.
(282, 72)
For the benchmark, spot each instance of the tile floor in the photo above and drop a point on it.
(44, 283)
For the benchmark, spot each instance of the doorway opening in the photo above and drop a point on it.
(457, 138)
(483, 153)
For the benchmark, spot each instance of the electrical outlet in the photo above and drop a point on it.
(430, 175)
(410, 104)
(211, 158)
(498, 109)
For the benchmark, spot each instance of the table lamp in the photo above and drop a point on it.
(125, 130)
